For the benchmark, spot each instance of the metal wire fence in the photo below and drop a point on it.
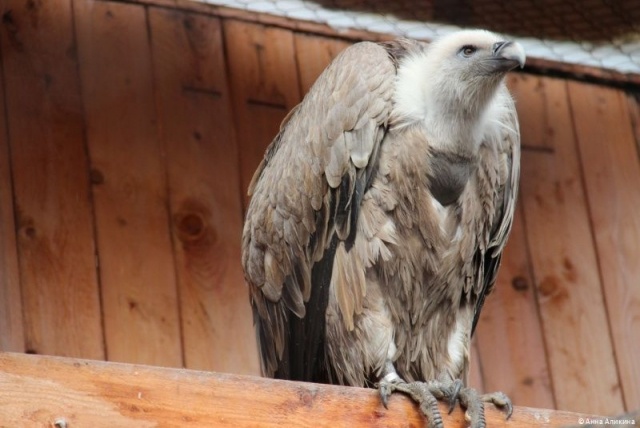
(597, 33)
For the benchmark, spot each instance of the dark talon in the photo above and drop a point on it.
(383, 390)
(385, 398)
(453, 395)
(499, 399)
(385, 403)
(509, 410)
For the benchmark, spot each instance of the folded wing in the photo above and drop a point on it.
(305, 201)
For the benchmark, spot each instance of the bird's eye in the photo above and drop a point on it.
(467, 51)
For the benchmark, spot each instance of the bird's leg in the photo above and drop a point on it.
(387, 383)
(427, 394)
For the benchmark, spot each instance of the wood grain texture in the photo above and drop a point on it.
(50, 178)
(203, 172)
(264, 84)
(612, 177)
(313, 55)
(530, 95)
(99, 394)
(510, 340)
(11, 324)
(581, 360)
(139, 292)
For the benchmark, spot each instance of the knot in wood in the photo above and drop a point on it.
(520, 283)
(96, 176)
(191, 226)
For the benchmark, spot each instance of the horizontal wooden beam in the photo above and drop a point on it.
(64, 392)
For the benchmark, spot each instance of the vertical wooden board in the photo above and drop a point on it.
(11, 324)
(612, 178)
(264, 87)
(530, 94)
(50, 177)
(509, 332)
(137, 272)
(313, 55)
(633, 102)
(195, 113)
(570, 298)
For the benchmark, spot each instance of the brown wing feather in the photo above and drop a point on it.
(304, 206)
(503, 167)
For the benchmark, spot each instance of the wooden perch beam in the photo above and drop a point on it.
(64, 392)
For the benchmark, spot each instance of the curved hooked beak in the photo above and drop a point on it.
(507, 55)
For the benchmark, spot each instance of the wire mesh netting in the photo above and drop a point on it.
(597, 33)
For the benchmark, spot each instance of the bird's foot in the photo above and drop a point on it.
(474, 405)
(427, 394)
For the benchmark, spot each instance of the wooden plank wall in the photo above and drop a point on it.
(128, 135)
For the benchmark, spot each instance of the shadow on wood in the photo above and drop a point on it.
(55, 391)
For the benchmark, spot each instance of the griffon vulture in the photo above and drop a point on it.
(379, 215)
